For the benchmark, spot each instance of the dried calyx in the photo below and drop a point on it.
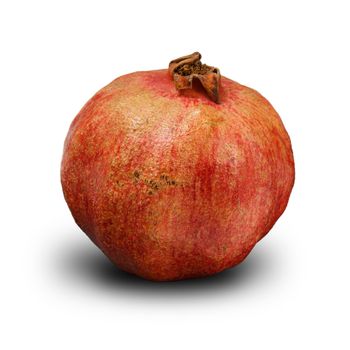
(184, 69)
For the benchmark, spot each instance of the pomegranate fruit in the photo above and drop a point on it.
(177, 173)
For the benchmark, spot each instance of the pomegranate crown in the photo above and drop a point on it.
(186, 68)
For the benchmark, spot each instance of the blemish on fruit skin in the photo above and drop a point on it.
(186, 180)
(156, 184)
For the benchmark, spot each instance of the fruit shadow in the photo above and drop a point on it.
(83, 263)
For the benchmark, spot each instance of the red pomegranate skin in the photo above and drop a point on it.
(171, 185)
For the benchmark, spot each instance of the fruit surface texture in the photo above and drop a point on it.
(171, 185)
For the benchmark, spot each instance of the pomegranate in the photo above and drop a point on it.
(177, 173)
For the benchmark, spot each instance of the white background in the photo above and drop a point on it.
(58, 291)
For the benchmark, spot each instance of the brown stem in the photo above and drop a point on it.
(184, 69)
